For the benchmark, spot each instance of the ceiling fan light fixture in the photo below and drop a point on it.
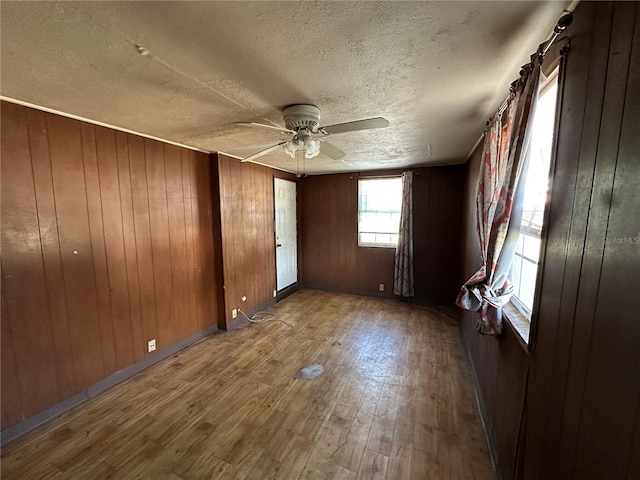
(291, 147)
(303, 122)
(311, 147)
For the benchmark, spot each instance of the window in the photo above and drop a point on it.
(379, 202)
(525, 263)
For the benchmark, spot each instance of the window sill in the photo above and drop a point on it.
(519, 323)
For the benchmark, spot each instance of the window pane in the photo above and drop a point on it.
(528, 283)
(516, 268)
(379, 203)
(525, 263)
(531, 247)
(367, 238)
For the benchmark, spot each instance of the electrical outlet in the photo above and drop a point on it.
(234, 313)
(243, 298)
(151, 345)
(275, 294)
(381, 287)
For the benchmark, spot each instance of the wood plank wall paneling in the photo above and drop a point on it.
(332, 259)
(247, 233)
(582, 408)
(585, 384)
(216, 218)
(438, 197)
(107, 242)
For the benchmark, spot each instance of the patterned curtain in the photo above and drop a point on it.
(499, 202)
(403, 268)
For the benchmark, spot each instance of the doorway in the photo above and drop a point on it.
(286, 233)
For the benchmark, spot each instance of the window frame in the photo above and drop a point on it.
(522, 321)
(368, 178)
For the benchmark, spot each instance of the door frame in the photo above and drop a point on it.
(294, 287)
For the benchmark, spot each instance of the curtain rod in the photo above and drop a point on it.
(560, 27)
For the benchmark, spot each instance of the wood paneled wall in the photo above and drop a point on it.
(332, 259)
(106, 243)
(437, 205)
(582, 416)
(248, 238)
(583, 407)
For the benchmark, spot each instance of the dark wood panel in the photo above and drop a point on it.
(48, 227)
(98, 247)
(142, 230)
(573, 436)
(130, 248)
(87, 215)
(577, 143)
(210, 267)
(190, 304)
(315, 233)
(611, 376)
(437, 230)
(229, 212)
(65, 146)
(508, 399)
(611, 82)
(23, 276)
(177, 241)
(633, 469)
(11, 399)
(235, 237)
(215, 231)
(112, 219)
(160, 242)
(247, 235)
(199, 237)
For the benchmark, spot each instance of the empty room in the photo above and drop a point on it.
(320, 240)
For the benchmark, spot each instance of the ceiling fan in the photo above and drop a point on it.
(303, 122)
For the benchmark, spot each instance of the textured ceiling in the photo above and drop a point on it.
(435, 70)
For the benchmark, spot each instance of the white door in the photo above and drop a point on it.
(286, 234)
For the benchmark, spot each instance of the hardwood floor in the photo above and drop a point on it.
(395, 402)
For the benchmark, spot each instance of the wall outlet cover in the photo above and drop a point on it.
(234, 313)
(381, 287)
(151, 345)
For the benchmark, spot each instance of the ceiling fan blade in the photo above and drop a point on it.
(263, 152)
(377, 122)
(331, 151)
(262, 125)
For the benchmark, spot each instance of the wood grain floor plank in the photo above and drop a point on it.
(395, 402)
(373, 466)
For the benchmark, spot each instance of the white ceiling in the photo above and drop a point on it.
(435, 70)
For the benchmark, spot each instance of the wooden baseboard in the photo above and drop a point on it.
(15, 431)
(363, 293)
(290, 290)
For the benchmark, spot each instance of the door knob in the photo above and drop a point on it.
(278, 245)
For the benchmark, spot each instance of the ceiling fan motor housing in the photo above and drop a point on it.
(298, 117)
